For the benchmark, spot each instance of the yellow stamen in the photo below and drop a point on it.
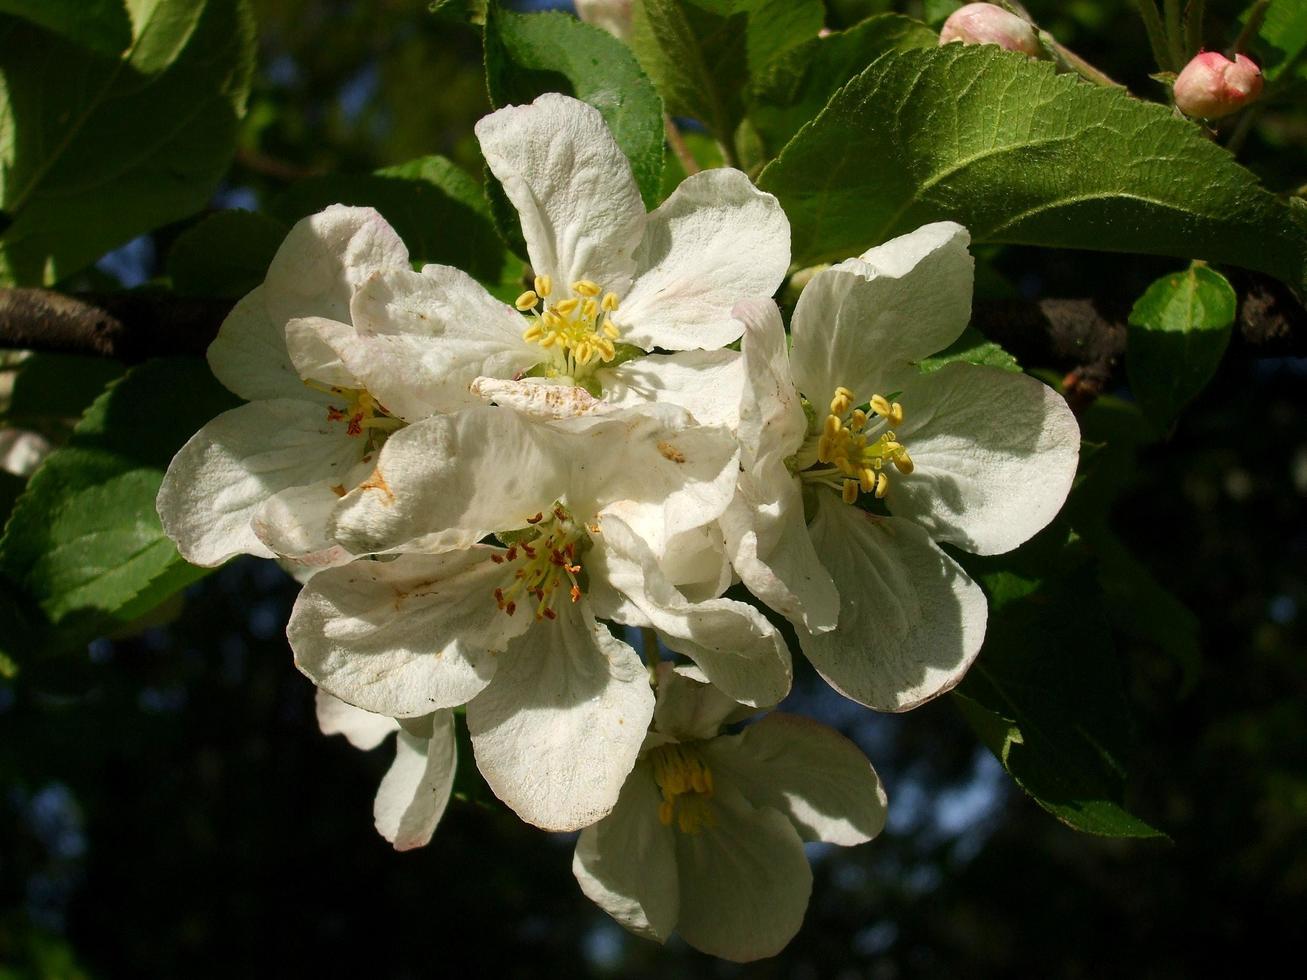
(527, 301)
(584, 287)
(577, 329)
(544, 286)
(854, 447)
(686, 784)
(610, 302)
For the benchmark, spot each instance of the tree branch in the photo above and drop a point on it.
(129, 327)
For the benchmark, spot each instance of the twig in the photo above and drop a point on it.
(677, 142)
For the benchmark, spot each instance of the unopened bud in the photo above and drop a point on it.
(987, 23)
(1212, 85)
(613, 16)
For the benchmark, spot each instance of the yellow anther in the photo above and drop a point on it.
(903, 462)
(850, 492)
(832, 425)
(867, 480)
(590, 308)
(610, 302)
(842, 401)
(568, 306)
(584, 287)
(880, 405)
(552, 320)
(527, 301)
(611, 331)
(882, 485)
(858, 420)
(544, 285)
(533, 332)
(686, 785)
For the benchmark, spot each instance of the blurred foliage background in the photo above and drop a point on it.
(168, 807)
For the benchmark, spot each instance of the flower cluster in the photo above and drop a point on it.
(487, 500)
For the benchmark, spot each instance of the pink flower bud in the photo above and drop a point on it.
(1212, 85)
(986, 23)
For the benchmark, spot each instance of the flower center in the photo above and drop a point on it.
(851, 449)
(578, 332)
(543, 557)
(359, 410)
(687, 786)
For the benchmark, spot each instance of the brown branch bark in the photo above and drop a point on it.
(129, 327)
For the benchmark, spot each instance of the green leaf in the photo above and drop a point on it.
(1046, 694)
(102, 25)
(95, 150)
(1178, 333)
(990, 139)
(530, 54)
(798, 85)
(435, 206)
(1282, 38)
(56, 387)
(226, 254)
(84, 551)
(973, 347)
(702, 54)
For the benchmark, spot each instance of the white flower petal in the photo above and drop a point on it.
(626, 863)
(294, 522)
(706, 383)
(450, 480)
(218, 481)
(325, 258)
(653, 467)
(690, 708)
(415, 790)
(744, 883)
(403, 637)
(911, 620)
(772, 422)
(538, 397)
(733, 643)
(581, 212)
(425, 336)
(249, 354)
(994, 456)
(559, 729)
(715, 241)
(769, 545)
(811, 773)
(862, 323)
(364, 729)
(313, 343)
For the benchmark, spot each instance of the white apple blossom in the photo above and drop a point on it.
(971, 456)
(610, 280)
(600, 516)
(707, 836)
(261, 479)
(415, 790)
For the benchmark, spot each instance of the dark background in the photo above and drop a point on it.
(168, 807)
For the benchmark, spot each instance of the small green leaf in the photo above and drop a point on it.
(101, 25)
(95, 150)
(226, 254)
(1018, 154)
(530, 54)
(1046, 693)
(84, 551)
(973, 347)
(1178, 333)
(702, 54)
(1282, 38)
(797, 86)
(435, 206)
